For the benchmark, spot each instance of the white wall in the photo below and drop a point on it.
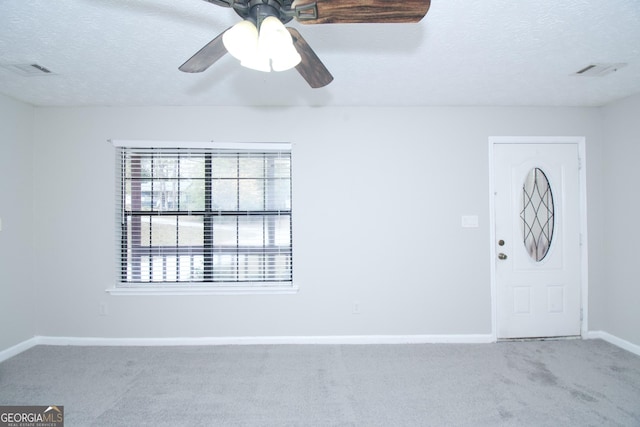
(18, 308)
(378, 199)
(622, 207)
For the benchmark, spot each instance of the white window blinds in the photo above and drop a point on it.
(203, 214)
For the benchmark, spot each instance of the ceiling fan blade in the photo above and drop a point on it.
(205, 57)
(362, 11)
(223, 3)
(310, 68)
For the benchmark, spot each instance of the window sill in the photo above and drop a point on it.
(187, 289)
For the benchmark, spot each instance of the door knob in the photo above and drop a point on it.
(502, 256)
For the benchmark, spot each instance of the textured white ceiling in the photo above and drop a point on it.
(488, 52)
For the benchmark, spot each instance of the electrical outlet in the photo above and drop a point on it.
(103, 309)
(470, 221)
(356, 307)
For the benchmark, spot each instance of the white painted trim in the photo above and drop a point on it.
(201, 290)
(612, 339)
(580, 141)
(242, 146)
(300, 340)
(18, 348)
(492, 246)
(584, 236)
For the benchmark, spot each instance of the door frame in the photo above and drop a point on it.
(580, 142)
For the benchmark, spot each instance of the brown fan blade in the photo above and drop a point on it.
(223, 3)
(310, 68)
(363, 11)
(205, 57)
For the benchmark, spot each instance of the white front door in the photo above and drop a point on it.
(537, 239)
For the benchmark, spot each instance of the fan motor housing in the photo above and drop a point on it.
(257, 10)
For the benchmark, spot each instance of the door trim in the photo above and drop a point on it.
(580, 142)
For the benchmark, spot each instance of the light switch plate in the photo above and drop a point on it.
(470, 221)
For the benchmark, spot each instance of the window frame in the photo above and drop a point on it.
(124, 287)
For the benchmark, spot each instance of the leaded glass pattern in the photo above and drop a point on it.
(537, 214)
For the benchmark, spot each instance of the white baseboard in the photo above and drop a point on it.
(346, 340)
(18, 348)
(612, 339)
(351, 339)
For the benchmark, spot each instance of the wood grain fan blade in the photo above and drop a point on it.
(310, 68)
(366, 11)
(205, 57)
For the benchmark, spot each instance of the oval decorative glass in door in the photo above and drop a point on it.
(537, 214)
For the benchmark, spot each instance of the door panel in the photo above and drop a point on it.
(537, 226)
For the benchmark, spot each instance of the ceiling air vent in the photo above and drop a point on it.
(599, 70)
(27, 70)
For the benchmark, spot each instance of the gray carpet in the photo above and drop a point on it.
(550, 383)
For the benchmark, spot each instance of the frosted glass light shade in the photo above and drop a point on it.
(276, 43)
(273, 46)
(257, 62)
(287, 59)
(241, 40)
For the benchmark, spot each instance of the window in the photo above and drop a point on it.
(214, 216)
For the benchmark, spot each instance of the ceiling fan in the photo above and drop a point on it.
(252, 40)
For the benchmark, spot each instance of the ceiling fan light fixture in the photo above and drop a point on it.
(271, 46)
(273, 37)
(275, 42)
(287, 60)
(257, 62)
(294, 50)
(241, 40)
